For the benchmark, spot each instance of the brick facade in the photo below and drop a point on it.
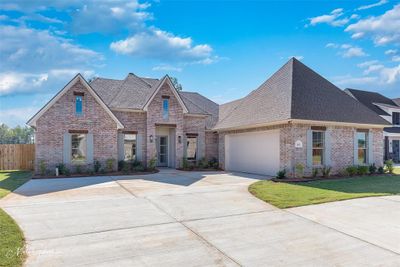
(60, 118)
(211, 144)
(342, 146)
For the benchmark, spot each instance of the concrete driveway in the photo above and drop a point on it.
(175, 218)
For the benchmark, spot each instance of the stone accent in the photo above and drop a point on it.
(134, 121)
(60, 118)
(211, 145)
(154, 116)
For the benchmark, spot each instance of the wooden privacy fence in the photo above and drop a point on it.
(17, 156)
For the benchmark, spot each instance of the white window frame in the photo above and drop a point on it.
(366, 148)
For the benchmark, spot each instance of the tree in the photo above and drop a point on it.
(176, 84)
(17, 135)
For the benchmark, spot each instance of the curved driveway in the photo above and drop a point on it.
(175, 218)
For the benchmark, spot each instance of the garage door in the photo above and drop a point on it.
(256, 152)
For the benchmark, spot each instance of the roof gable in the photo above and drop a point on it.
(77, 78)
(369, 99)
(164, 80)
(295, 92)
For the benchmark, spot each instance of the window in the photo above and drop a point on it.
(129, 146)
(78, 105)
(165, 106)
(191, 148)
(362, 138)
(78, 148)
(318, 148)
(396, 118)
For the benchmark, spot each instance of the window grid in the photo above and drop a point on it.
(318, 148)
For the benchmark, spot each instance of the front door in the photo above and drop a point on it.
(162, 151)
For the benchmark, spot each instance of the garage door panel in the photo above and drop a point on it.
(256, 152)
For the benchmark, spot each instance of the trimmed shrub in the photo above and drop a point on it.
(213, 163)
(96, 166)
(152, 163)
(362, 170)
(381, 170)
(372, 169)
(326, 171)
(351, 170)
(78, 168)
(62, 169)
(299, 170)
(315, 172)
(185, 163)
(110, 164)
(389, 166)
(121, 165)
(281, 174)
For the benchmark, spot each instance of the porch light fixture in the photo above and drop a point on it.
(151, 138)
(179, 139)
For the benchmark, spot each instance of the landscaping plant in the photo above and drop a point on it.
(389, 166)
(281, 174)
(152, 163)
(110, 164)
(62, 169)
(326, 171)
(42, 167)
(351, 170)
(381, 170)
(362, 170)
(96, 166)
(372, 169)
(299, 170)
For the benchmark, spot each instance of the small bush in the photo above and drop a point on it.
(139, 168)
(372, 169)
(389, 166)
(381, 170)
(96, 166)
(185, 163)
(42, 167)
(110, 164)
(66, 171)
(202, 163)
(281, 174)
(326, 171)
(121, 165)
(125, 168)
(135, 163)
(362, 170)
(351, 170)
(213, 163)
(315, 172)
(78, 169)
(152, 163)
(299, 170)
(61, 169)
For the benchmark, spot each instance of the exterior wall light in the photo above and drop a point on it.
(151, 138)
(179, 139)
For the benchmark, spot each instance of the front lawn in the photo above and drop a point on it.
(11, 237)
(287, 195)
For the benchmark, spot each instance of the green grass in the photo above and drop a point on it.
(287, 195)
(11, 237)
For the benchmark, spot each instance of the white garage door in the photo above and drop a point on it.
(256, 152)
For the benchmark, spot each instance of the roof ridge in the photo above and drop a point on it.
(197, 93)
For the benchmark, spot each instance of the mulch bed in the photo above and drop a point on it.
(333, 177)
(199, 170)
(76, 175)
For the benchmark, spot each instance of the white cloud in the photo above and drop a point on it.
(14, 81)
(347, 50)
(17, 116)
(335, 18)
(349, 80)
(382, 29)
(159, 44)
(367, 63)
(31, 60)
(396, 58)
(166, 67)
(386, 75)
(390, 51)
(354, 52)
(381, 2)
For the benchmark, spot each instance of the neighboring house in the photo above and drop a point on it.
(131, 119)
(295, 118)
(389, 110)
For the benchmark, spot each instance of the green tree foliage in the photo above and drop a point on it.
(176, 84)
(17, 135)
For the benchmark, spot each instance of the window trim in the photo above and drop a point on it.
(79, 161)
(136, 148)
(192, 136)
(76, 105)
(165, 110)
(322, 149)
(365, 148)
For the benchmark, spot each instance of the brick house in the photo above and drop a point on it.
(295, 117)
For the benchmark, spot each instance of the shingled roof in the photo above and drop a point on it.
(295, 92)
(369, 99)
(133, 93)
(397, 101)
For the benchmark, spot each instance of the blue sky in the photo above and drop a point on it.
(222, 49)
